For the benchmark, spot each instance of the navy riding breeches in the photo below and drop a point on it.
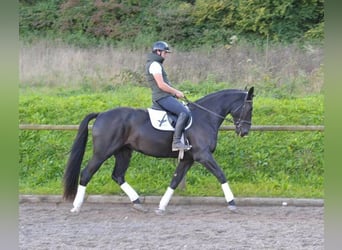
(173, 106)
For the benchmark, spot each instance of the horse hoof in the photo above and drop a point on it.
(160, 212)
(232, 208)
(140, 208)
(75, 210)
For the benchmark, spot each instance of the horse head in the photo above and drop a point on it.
(242, 115)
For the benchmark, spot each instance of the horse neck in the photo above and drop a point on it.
(223, 102)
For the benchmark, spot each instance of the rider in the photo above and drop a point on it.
(165, 96)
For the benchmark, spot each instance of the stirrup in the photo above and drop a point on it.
(181, 151)
(181, 146)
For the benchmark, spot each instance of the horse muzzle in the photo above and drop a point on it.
(242, 132)
(242, 128)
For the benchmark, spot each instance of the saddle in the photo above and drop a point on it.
(162, 120)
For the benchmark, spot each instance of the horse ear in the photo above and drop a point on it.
(250, 93)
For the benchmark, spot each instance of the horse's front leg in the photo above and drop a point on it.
(209, 162)
(178, 175)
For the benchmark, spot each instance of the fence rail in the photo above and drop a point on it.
(222, 128)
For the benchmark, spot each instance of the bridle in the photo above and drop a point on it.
(241, 121)
(237, 123)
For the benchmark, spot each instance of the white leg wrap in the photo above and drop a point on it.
(166, 198)
(227, 192)
(78, 199)
(132, 195)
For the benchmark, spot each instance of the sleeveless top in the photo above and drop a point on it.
(157, 93)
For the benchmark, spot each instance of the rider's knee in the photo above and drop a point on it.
(185, 114)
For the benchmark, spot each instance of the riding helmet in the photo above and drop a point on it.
(161, 45)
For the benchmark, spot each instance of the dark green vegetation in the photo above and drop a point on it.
(263, 164)
(184, 23)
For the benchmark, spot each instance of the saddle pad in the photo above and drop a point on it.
(160, 121)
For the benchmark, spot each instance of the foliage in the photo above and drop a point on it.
(262, 164)
(284, 20)
(37, 18)
(187, 24)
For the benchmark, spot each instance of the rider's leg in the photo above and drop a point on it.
(179, 128)
(171, 104)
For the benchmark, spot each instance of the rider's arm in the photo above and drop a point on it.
(158, 77)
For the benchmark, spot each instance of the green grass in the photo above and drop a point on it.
(268, 164)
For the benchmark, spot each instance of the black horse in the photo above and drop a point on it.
(120, 131)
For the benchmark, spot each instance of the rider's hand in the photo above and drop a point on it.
(179, 94)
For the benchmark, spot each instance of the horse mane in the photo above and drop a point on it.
(219, 93)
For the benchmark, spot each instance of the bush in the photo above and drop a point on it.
(186, 24)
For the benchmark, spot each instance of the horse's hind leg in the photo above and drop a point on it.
(122, 160)
(86, 174)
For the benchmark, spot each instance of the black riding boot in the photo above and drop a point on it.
(180, 125)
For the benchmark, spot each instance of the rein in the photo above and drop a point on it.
(237, 123)
(208, 110)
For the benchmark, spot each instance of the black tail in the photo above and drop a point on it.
(73, 166)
